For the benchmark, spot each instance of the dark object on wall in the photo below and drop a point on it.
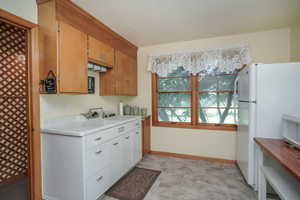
(91, 85)
(49, 84)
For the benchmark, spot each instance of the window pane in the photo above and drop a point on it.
(174, 100)
(174, 84)
(211, 99)
(218, 116)
(224, 82)
(174, 114)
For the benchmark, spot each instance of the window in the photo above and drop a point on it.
(188, 101)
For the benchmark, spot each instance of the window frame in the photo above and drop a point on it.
(194, 124)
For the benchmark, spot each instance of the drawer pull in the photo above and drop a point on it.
(115, 144)
(137, 133)
(99, 179)
(127, 137)
(99, 138)
(98, 152)
(121, 129)
(137, 124)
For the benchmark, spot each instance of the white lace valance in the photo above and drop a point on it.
(205, 61)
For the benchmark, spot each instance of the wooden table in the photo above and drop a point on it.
(279, 165)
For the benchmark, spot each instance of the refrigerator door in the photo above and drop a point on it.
(247, 123)
(277, 93)
(247, 84)
(243, 139)
(244, 85)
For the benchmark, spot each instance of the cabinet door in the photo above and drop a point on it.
(100, 53)
(127, 75)
(137, 146)
(127, 152)
(72, 60)
(146, 124)
(108, 83)
(116, 159)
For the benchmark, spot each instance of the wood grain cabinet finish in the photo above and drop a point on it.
(100, 53)
(72, 60)
(127, 75)
(69, 37)
(146, 128)
(122, 79)
(63, 50)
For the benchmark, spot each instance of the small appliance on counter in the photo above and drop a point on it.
(291, 129)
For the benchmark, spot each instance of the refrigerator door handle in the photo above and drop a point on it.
(235, 94)
(247, 101)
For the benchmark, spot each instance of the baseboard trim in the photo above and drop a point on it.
(193, 157)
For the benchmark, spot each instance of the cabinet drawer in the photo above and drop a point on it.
(100, 137)
(97, 158)
(134, 125)
(98, 184)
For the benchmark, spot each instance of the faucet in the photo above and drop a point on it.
(92, 113)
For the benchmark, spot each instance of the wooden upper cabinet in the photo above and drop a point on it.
(127, 75)
(108, 83)
(69, 37)
(100, 53)
(122, 79)
(63, 51)
(72, 60)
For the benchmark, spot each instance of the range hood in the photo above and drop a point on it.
(96, 67)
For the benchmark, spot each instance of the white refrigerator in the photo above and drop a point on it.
(265, 92)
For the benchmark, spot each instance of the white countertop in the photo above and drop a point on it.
(79, 126)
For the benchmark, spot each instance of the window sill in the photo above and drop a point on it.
(223, 127)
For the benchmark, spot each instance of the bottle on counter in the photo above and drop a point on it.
(121, 105)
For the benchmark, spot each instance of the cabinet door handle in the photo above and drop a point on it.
(121, 129)
(99, 138)
(98, 152)
(99, 179)
(137, 132)
(115, 144)
(137, 124)
(127, 137)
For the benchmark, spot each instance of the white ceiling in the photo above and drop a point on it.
(148, 22)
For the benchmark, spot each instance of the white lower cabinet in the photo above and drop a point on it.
(98, 183)
(137, 145)
(84, 168)
(127, 152)
(116, 163)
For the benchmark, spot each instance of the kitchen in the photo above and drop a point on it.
(75, 33)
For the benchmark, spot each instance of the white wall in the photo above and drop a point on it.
(267, 47)
(295, 42)
(26, 9)
(67, 104)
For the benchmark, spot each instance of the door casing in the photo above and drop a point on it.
(34, 170)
